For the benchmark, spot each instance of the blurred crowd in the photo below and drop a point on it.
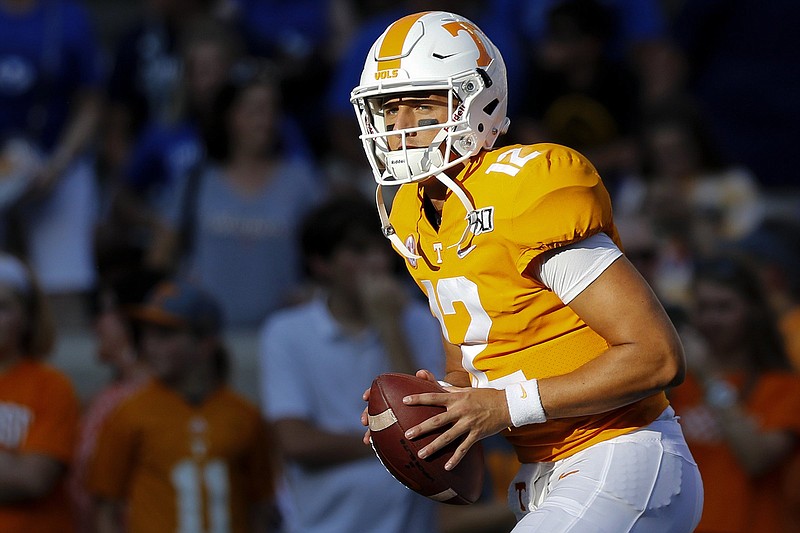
(202, 142)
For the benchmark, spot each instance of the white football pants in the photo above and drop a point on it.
(645, 481)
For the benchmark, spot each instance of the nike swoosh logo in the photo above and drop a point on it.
(524, 392)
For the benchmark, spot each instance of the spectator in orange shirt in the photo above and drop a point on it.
(740, 403)
(114, 333)
(185, 452)
(38, 410)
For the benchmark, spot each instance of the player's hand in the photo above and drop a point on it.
(473, 413)
(365, 418)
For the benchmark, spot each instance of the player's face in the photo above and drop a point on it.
(411, 111)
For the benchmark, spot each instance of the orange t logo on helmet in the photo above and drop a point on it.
(454, 27)
(391, 50)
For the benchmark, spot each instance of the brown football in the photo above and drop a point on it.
(389, 420)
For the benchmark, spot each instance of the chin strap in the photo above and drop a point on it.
(388, 229)
(466, 202)
(390, 233)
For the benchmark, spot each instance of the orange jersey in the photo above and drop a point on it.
(528, 199)
(181, 467)
(734, 501)
(39, 413)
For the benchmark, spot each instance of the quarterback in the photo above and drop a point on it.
(551, 335)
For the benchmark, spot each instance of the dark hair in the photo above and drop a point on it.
(128, 288)
(39, 334)
(337, 222)
(687, 115)
(774, 243)
(764, 340)
(244, 76)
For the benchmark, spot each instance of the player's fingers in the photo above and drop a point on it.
(427, 398)
(365, 396)
(367, 438)
(440, 442)
(432, 423)
(425, 374)
(459, 454)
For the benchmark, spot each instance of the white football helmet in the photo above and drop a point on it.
(425, 52)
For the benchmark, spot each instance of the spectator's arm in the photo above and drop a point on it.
(314, 447)
(756, 450)
(108, 516)
(27, 476)
(265, 517)
(385, 302)
(77, 134)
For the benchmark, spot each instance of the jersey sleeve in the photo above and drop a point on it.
(568, 270)
(560, 199)
(110, 467)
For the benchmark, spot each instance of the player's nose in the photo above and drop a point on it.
(405, 118)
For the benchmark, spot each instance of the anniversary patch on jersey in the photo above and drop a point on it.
(481, 220)
(411, 244)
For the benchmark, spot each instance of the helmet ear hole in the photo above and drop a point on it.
(480, 127)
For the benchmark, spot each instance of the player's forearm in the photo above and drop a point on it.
(620, 376)
(645, 354)
(454, 372)
(457, 378)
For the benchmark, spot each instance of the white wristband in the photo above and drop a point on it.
(524, 403)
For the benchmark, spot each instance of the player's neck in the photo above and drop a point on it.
(436, 192)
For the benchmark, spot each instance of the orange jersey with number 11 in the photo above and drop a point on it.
(528, 199)
(182, 467)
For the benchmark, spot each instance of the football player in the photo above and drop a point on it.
(552, 337)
